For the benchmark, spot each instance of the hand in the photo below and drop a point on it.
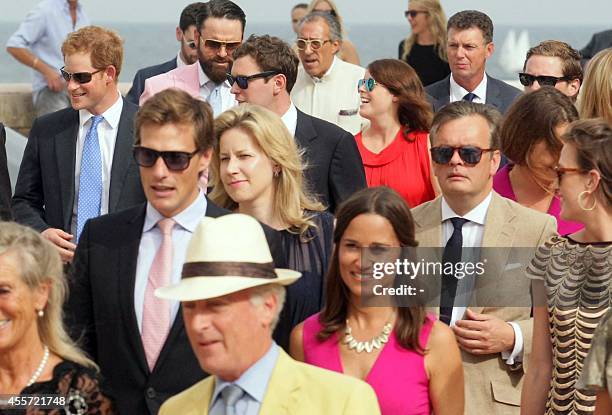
(54, 81)
(483, 334)
(61, 240)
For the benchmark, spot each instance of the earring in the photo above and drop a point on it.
(276, 173)
(581, 204)
(41, 313)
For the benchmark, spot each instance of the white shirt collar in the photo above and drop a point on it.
(112, 115)
(290, 119)
(477, 215)
(204, 79)
(331, 68)
(457, 92)
(179, 61)
(188, 218)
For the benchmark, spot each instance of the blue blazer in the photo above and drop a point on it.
(142, 75)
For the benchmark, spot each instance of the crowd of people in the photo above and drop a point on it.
(208, 243)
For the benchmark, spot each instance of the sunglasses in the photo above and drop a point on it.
(191, 44)
(175, 160)
(528, 80)
(413, 13)
(243, 81)
(214, 44)
(79, 77)
(563, 170)
(315, 44)
(469, 154)
(369, 84)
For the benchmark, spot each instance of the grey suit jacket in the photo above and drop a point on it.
(45, 191)
(598, 42)
(500, 95)
(142, 75)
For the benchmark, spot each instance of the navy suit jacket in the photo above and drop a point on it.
(5, 180)
(598, 42)
(334, 168)
(500, 95)
(142, 75)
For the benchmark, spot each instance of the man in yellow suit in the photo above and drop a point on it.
(231, 296)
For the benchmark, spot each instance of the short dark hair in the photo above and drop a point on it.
(460, 109)
(468, 19)
(299, 6)
(220, 9)
(189, 15)
(532, 118)
(271, 54)
(557, 49)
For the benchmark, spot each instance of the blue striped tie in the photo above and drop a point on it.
(90, 178)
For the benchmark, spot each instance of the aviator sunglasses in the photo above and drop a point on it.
(243, 81)
(79, 77)
(215, 44)
(174, 160)
(315, 44)
(469, 154)
(544, 80)
(369, 84)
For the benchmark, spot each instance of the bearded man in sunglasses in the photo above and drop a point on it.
(76, 164)
(220, 27)
(494, 334)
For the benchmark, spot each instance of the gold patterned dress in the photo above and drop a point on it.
(577, 277)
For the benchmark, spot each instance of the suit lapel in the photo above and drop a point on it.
(429, 225)
(283, 394)
(65, 153)
(493, 94)
(122, 155)
(304, 131)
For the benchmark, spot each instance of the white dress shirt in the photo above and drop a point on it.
(473, 232)
(290, 119)
(457, 92)
(207, 86)
(107, 136)
(186, 222)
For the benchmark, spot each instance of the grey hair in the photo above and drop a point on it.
(335, 31)
(259, 294)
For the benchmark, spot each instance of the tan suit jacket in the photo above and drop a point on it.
(491, 385)
(295, 388)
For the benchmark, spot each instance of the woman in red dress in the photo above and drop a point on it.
(395, 148)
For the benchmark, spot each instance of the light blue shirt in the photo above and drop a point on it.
(254, 382)
(43, 31)
(186, 222)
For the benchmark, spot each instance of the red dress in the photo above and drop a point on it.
(403, 166)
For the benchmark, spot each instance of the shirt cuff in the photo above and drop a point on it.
(517, 352)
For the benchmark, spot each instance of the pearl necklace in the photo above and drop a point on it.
(41, 367)
(368, 346)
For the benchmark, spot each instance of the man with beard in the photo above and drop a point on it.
(220, 26)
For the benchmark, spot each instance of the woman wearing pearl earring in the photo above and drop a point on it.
(37, 357)
(572, 275)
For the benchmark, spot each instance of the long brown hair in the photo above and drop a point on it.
(387, 203)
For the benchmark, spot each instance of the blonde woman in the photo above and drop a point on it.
(36, 355)
(257, 170)
(596, 93)
(425, 48)
(348, 52)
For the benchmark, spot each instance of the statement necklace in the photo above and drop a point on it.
(41, 367)
(369, 346)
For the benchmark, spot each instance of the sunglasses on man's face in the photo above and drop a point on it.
(174, 160)
(243, 81)
(413, 13)
(191, 44)
(216, 45)
(369, 84)
(78, 77)
(469, 154)
(544, 80)
(315, 44)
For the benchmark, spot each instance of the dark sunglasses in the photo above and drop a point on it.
(243, 81)
(469, 154)
(369, 83)
(79, 77)
(192, 45)
(528, 80)
(413, 13)
(315, 44)
(175, 160)
(214, 44)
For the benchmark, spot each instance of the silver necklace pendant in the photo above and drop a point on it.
(367, 346)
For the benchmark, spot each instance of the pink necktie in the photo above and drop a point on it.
(156, 312)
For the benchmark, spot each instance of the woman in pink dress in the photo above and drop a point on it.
(411, 360)
(531, 139)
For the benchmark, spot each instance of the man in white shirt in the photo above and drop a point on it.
(326, 86)
(83, 150)
(494, 338)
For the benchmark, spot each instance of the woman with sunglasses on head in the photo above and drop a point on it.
(531, 138)
(411, 360)
(572, 275)
(258, 171)
(425, 48)
(348, 52)
(395, 147)
(595, 98)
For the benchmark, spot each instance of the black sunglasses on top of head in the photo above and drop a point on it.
(174, 160)
(243, 81)
(469, 154)
(544, 80)
(79, 77)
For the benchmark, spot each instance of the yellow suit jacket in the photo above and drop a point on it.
(295, 388)
(491, 385)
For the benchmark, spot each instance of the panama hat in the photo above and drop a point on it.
(225, 255)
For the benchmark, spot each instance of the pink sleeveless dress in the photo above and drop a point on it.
(398, 375)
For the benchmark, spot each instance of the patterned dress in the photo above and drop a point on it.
(577, 277)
